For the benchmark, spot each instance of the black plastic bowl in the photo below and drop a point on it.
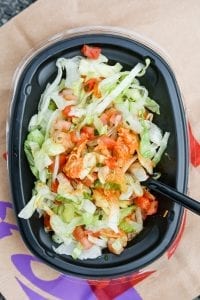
(159, 232)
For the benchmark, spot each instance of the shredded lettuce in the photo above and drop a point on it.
(66, 248)
(89, 161)
(147, 149)
(152, 105)
(113, 218)
(131, 119)
(130, 227)
(41, 194)
(98, 67)
(68, 213)
(89, 206)
(119, 89)
(93, 252)
(163, 145)
(133, 187)
(36, 136)
(124, 212)
(98, 198)
(102, 129)
(138, 171)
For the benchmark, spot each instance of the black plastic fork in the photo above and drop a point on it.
(174, 195)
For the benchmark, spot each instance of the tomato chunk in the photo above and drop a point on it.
(78, 138)
(143, 203)
(89, 131)
(111, 163)
(66, 111)
(46, 221)
(62, 161)
(109, 142)
(90, 84)
(153, 208)
(81, 236)
(54, 186)
(147, 203)
(91, 52)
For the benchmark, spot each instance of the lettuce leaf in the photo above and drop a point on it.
(152, 105)
(163, 146)
(98, 67)
(129, 227)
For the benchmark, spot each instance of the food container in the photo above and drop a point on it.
(32, 77)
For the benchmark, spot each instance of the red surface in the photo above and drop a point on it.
(194, 149)
(5, 155)
(109, 289)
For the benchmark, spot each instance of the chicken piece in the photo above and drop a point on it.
(129, 138)
(67, 94)
(64, 139)
(117, 246)
(118, 177)
(121, 152)
(73, 167)
(111, 117)
(101, 201)
(62, 125)
(131, 236)
(102, 149)
(146, 163)
(81, 236)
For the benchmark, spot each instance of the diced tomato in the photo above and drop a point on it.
(78, 138)
(96, 91)
(143, 203)
(111, 116)
(51, 167)
(147, 203)
(78, 233)
(90, 84)
(104, 119)
(89, 131)
(109, 142)
(89, 181)
(66, 111)
(54, 186)
(111, 163)
(91, 52)
(81, 236)
(62, 161)
(75, 136)
(46, 221)
(116, 119)
(153, 208)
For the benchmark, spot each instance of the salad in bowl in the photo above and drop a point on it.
(91, 145)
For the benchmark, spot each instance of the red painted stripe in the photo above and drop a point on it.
(194, 148)
(108, 290)
(5, 155)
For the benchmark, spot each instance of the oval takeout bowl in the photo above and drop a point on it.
(159, 232)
